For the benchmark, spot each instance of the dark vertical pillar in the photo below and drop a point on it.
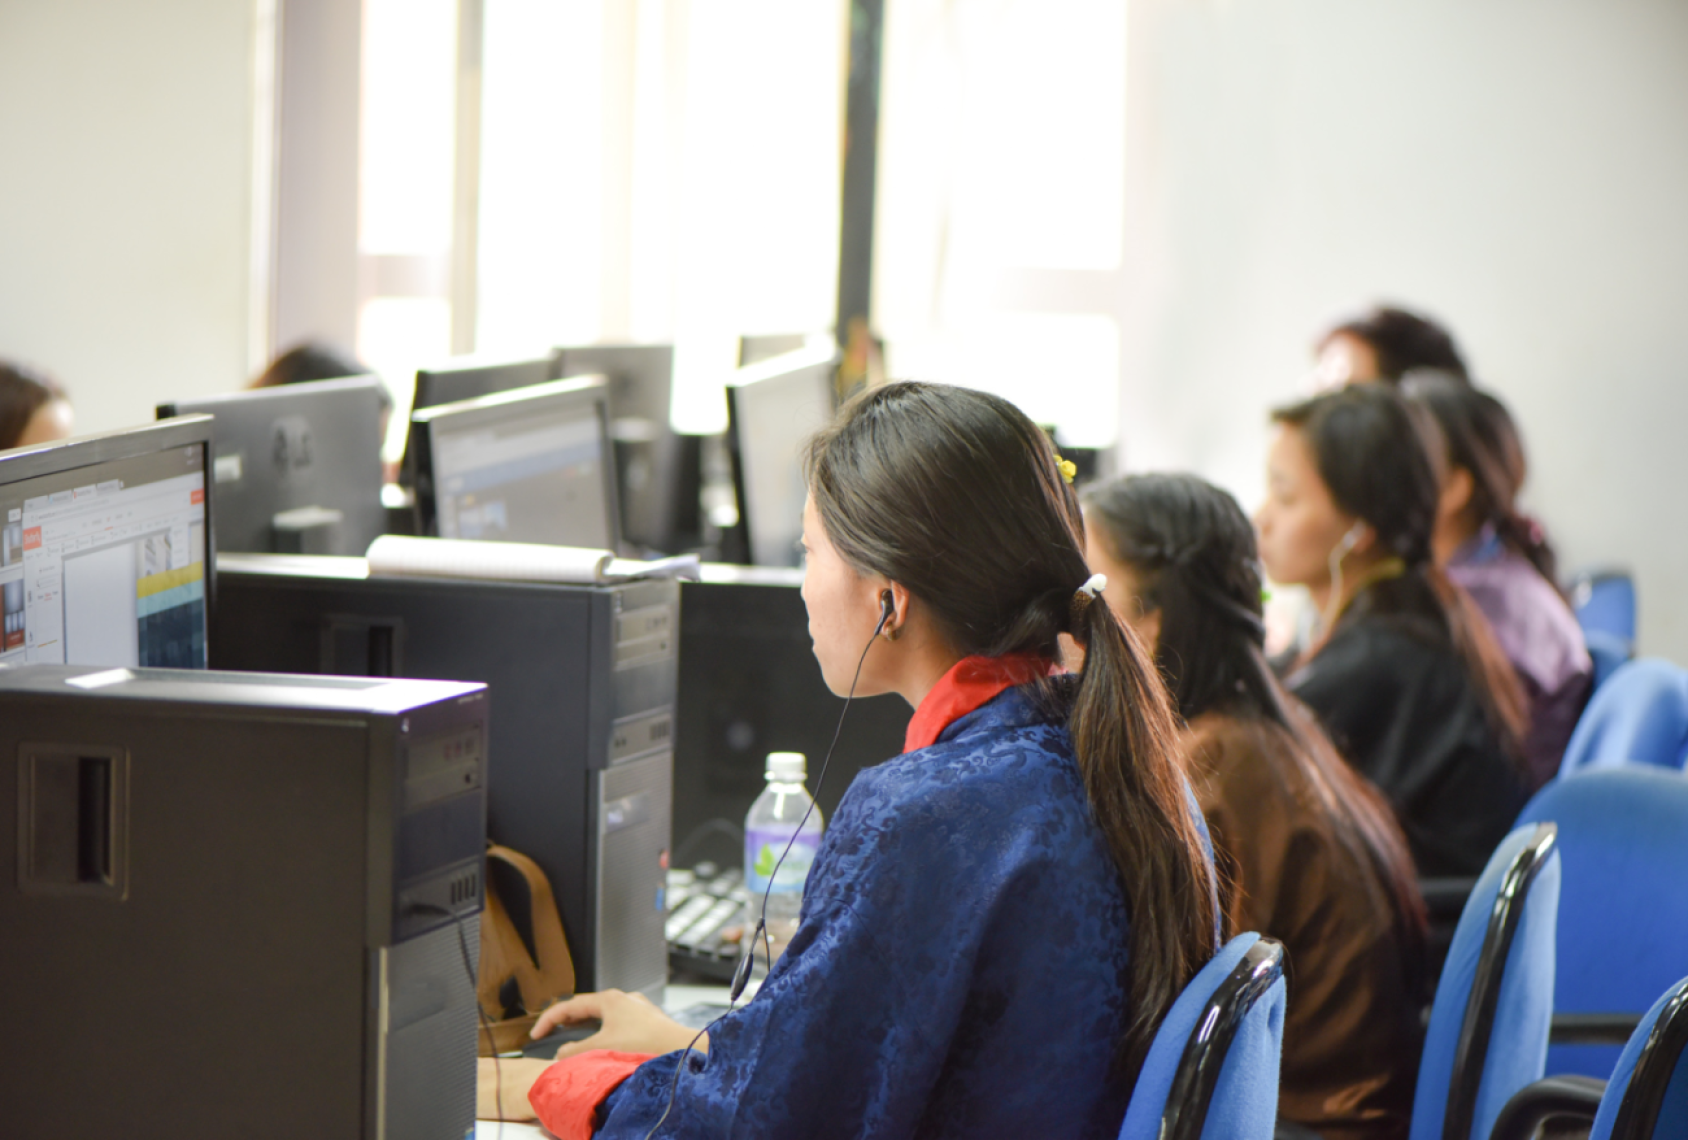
(861, 158)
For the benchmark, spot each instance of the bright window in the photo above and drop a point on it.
(1001, 202)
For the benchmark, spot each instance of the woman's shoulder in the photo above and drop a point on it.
(1379, 648)
(995, 773)
(1531, 620)
(1249, 761)
(993, 759)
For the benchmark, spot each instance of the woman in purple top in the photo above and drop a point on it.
(1504, 562)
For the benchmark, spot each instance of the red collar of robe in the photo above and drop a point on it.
(969, 684)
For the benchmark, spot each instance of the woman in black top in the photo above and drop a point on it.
(1404, 674)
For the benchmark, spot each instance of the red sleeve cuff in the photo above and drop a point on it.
(566, 1095)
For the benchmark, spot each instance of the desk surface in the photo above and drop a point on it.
(674, 999)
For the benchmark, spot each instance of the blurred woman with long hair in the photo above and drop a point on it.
(1504, 561)
(1314, 856)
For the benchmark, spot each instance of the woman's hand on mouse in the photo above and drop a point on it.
(631, 1023)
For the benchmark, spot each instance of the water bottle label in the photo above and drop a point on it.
(762, 851)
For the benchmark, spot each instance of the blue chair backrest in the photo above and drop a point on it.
(1623, 910)
(1648, 1093)
(1605, 601)
(1488, 1026)
(1212, 1070)
(1639, 716)
(1607, 651)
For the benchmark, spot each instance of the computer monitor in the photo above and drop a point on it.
(772, 410)
(470, 377)
(531, 465)
(757, 348)
(106, 556)
(657, 470)
(298, 467)
(467, 378)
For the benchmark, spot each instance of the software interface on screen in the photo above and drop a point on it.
(105, 565)
(534, 477)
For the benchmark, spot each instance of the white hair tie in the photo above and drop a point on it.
(1082, 597)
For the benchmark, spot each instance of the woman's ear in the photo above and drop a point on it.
(1359, 538)
(1457, 490)
(893, 600)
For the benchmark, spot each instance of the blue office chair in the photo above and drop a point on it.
(1648, 1093)
(1647, 1097)
(1639, 716)
(1606, 651)
(1212, 1070)
(1605, 600)
(1623, 924)
(1488, 1025)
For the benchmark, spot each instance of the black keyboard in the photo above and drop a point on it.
(706, 907)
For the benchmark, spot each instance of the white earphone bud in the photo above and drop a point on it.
(1338, 552)
(1347, 541)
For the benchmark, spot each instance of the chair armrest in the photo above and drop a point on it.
(1536, 1104)
(1592, 1028)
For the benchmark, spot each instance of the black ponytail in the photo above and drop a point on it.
(956, 495)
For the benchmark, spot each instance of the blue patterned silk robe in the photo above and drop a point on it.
(958, 971)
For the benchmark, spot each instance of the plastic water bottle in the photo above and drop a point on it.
(771, 824)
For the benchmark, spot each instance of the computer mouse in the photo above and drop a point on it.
(545, 1049)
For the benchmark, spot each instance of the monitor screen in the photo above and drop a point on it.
(278, 450)
(532, 465)
(773, 409)
(104, 559)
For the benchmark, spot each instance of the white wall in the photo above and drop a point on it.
(124, 203)
(1517, 167)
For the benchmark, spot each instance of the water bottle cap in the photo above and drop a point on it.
(787, 767)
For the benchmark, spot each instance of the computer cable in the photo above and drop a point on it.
(747, 957)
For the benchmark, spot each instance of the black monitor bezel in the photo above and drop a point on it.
(469, 414)
(63, 456)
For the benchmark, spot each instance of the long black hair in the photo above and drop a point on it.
(1482, 438)
(1192, 553)
(1380, 457)
(956, 495)
(1402, 340)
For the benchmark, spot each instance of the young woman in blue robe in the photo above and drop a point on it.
(999, 917)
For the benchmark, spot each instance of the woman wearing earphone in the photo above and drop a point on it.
(998, 918)
(1404, 673)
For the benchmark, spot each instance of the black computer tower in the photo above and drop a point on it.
(240, 905)
(581, 755)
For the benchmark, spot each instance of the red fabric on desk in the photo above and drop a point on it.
(970, 683)
(566, 1095)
